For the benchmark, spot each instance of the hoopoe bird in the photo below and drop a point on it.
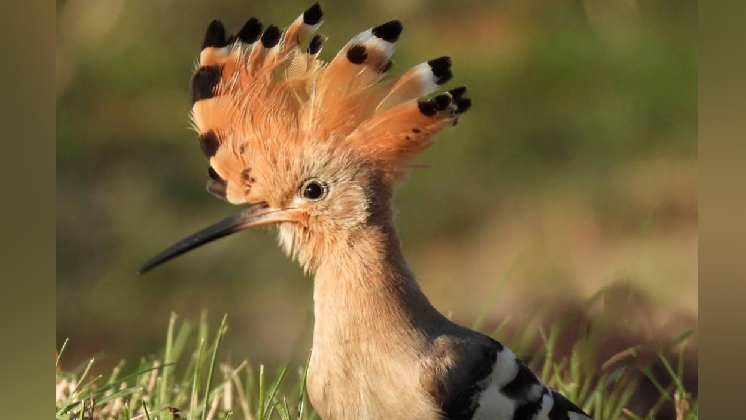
(317, 149)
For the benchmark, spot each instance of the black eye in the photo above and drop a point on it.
(313, 190)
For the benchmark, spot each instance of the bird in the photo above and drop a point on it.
(317, 149)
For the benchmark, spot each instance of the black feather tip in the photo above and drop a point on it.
(445, 77)
(250, 31)
(271, 36)
(441, 68)
(315, 45)
(439, 65)
(428, 108)
(462, 105)
(457, 93)
(357, 54)
(389, 31)
(215, 35)
(442, 102)
(204, 82)
(313, 15)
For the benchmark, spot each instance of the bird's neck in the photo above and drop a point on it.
(364, 290)
(373, 323)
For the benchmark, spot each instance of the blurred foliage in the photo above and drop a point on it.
(569, 96)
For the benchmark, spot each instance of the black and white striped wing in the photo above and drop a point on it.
(488, 382)
(512, 391)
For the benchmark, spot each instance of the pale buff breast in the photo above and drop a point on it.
(367, 387)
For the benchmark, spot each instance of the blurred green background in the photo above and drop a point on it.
(576, 169)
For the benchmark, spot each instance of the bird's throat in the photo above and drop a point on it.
(365, 291)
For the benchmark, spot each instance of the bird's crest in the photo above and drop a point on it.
(261, 98)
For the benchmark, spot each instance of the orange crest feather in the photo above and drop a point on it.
(258, 99)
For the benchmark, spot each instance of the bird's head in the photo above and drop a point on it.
(314, 147)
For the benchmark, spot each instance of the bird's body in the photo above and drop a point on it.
(382, 351)
(318, 148)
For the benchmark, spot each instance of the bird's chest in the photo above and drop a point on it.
(367, 351)
(351, 382)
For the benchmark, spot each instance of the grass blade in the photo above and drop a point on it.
(195, 381)
(85, 373)
(163, 384)
(273, 394)
(218, 339)
(302, 396)
(100, 392)
(677, 381)
(145, 408)
(59, 354)
(260, 408)
(684, 335)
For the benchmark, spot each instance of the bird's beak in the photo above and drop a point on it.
(258, 215)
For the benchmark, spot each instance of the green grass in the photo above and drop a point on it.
(187, 381)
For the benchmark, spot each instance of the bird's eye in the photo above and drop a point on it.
(313, 190)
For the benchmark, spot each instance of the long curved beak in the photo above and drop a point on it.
(258, 215)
